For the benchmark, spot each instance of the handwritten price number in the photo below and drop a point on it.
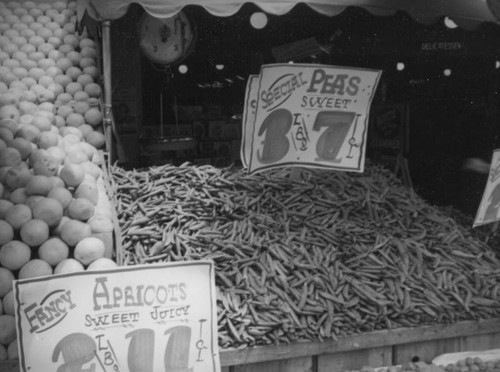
(77, 349)
(276, 127)
(338, 125)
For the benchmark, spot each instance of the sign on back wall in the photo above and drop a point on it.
(146, 318)
(307, 115)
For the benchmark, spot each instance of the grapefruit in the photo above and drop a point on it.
(14, 254)
(35, 268)
(89, 249)
(34, 232)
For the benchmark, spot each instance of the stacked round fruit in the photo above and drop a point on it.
(473, 364)
(51, 142)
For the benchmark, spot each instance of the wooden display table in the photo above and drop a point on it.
(380, 348)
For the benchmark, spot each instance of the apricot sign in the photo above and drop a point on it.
(146, 318)
(307, 115)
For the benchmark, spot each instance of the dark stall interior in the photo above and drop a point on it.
(449, 87)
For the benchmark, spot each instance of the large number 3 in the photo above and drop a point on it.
(275, 127)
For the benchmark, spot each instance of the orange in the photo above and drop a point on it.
(72, 174)
(53, 251)
(29, 132)
(7, 328)
(42, 123)
(69, 265)
(12, 350)
(75, 119)
(9, 157)
(74, 72)
(75, 155)
(47, 140)
(14, 254)
(93, 90)
(6, 232)
(96, 139)
(38, 185)
(89, 249)
(57, 153)
(56, 230)
(48, 210)
(93, 116)
(17, 215)
(6, 278)
(56, 181)
(80, 209)
(23, 146)
(102, 263)
(18, 196)
(8, 303)
(46, 165)
(5, 205)
(88, 191)
(6, 135)
(73, 87)
(81, 107)
(9, 111)
(35, 268)
(33, 199)
(73, 231)
(17, 176)
(34, 232)
(62, 195)
(37, 155)
(81, 96)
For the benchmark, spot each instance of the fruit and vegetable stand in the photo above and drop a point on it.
(318, 271)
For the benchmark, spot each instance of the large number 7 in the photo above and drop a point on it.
(338, 124)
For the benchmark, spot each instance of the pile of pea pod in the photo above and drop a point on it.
(309, 254)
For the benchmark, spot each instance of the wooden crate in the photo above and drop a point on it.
(377, 349)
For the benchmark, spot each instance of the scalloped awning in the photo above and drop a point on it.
(466, 13)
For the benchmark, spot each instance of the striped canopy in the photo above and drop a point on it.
(465, 13)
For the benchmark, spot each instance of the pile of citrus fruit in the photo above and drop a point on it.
(51, 151)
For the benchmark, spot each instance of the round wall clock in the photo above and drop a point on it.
(166, 40)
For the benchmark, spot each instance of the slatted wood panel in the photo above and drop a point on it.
(396, 337)
(481, 342)
(427, 350)
(380, 348)
(354, 360)
(289, 365)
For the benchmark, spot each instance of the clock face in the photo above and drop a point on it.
(165, 40)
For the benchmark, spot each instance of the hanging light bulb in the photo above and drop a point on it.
(258, 20)
(219, 67)
(447, 72)
(448, 22)
(183, 69)
(400, 66)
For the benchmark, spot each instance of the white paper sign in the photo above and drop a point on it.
(312, 116)
(489, 209)
(147, 318)
(249, 110)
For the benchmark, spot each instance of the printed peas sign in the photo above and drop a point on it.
(145, 318)
(489, 209)
(307, 115)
